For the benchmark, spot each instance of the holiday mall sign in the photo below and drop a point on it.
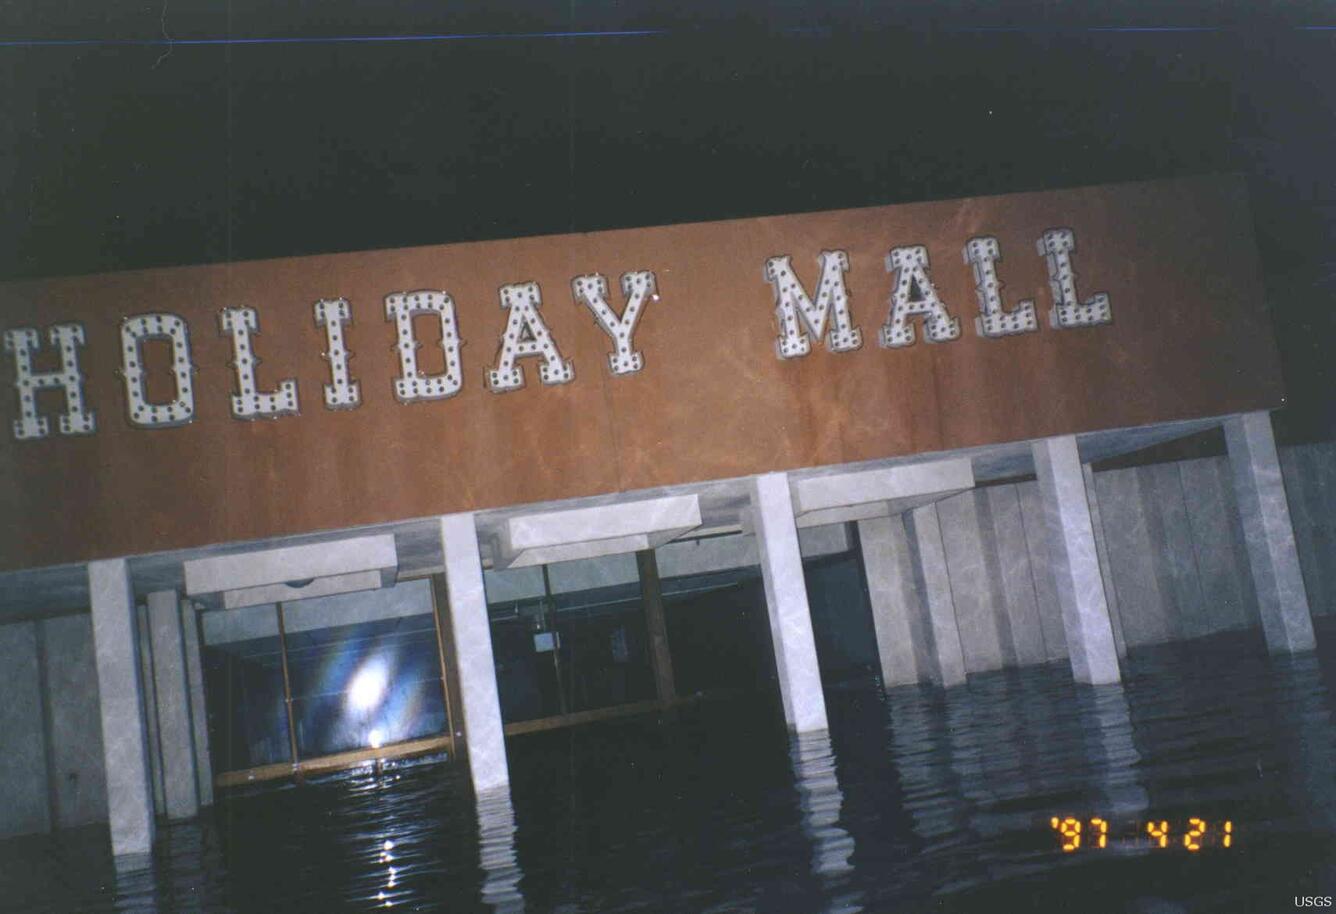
(425, 381)
(799, 316)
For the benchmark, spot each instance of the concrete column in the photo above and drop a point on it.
(896, 614)
(1282, 601)
(933, 582)
(472, 635)
(199, 715)
(175, 737)
(786, 599)
(985, 630)
(149, 692)
(1004, 535)
(651, 595)
(1105, 566)
(1074, 561)
(129, 801)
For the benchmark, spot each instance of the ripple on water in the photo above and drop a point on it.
(915, 799)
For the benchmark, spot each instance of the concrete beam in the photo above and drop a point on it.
(262, 567)
(125, 751)
(786, 600)
(582, 533)
(845, 515)
(1074, 561)
(353, 582)
(902, 487)
(1282, 600)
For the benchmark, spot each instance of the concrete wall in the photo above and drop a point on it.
(75, 724)
(50, 731)
(1177, 564)
(1310, 484)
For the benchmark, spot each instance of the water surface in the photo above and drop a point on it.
(915, 800)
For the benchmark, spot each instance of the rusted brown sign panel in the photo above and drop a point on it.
(705, 361)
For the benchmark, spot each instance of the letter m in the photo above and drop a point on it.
(798, 316)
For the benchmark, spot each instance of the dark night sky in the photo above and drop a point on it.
(125, 152)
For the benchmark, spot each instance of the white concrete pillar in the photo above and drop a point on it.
(176, 740)
(472, 632)
(1074, 561)
(933, 583)
(129, 801)
(1282, 600)
(1105, 565)
(894, 601)
(199, 715)
(786, 600)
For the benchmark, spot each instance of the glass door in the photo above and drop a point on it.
(326, 683)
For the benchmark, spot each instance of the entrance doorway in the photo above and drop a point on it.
(326, 683)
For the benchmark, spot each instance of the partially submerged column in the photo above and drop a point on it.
(933, 582)
(199, 715)
(1105, 566)
(472, 635)
(144, 639)
(129, 801)
(1074, 561)
(786, 599)
(175, 739)
(1282, 601)
(656, 626)
(896, 614)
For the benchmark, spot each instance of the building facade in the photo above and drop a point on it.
(482, 489)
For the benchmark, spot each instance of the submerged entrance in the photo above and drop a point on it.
(326, 682)
(339, 681)
(574, 641)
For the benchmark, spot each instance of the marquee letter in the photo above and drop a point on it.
(248, 402)
(938, 324)
(1068, 310)
(792, 303)
(412, 385)
(592, 292)
(134, 331)
(526, 335)
(994, 320)
(22, 341)
(342, 392)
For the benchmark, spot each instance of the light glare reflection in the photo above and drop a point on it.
(368, 687)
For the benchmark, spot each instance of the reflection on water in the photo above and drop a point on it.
(821, 801)
(496, 848)
(915, 800)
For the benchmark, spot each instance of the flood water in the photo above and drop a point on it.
(916, 800)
